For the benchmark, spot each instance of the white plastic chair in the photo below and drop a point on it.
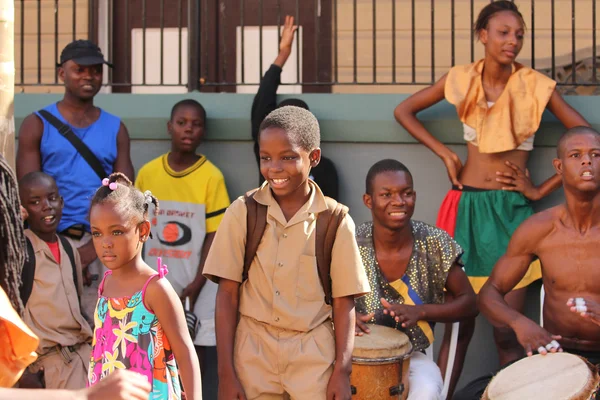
(451, 357)
(542, 295)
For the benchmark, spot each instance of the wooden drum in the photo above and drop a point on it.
(559, 376)
(380, 362)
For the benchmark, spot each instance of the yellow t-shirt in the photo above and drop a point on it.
(191, 204)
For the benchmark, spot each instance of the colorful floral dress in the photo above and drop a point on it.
(129, 336)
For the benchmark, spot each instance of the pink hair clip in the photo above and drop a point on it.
(162, 268)
(111, 185)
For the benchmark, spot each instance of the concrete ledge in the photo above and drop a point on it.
(344, 117)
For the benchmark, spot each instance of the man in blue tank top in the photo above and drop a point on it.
(43, 148)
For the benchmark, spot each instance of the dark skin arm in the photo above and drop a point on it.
(343, 321)
(29, 158)
(406, 114)
(120, 385)
(163, 301)
(123, 161)
(518, 180)
(507, 272)
(193, 289)
(226, 320)
(461, 307)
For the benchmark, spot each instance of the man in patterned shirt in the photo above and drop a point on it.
(409, 264)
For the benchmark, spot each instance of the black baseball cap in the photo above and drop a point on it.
(83, 52)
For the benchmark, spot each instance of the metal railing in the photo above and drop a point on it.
(205, 44)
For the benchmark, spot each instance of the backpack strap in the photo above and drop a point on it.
(70, 253)
(83, 150)
(27, 274)
(328, 222)
(256, 223)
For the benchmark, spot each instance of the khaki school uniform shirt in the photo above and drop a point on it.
(52, 311)
(283, 287)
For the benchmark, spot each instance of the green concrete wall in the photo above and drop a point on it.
(343, 117)
(357, 131)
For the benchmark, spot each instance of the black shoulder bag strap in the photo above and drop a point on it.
(70, 253)
(27, 274)
(81, 147)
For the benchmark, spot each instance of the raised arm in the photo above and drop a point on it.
(406, 114)
(265, 100)
(29, 158)
(123, 161)
(507, 272)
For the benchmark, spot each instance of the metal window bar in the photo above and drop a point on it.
(179, 41)
(335, 42)
(453, 29)
(297, 21)
(533, 34)
(128, 77)
(22, 49)
(594, 66)
(74, 5)
(212, 67)
(317, 33)
(413, 42)
(393, 41)
(39, 41)
(432, 40)
(260, 40)
(144, 42)
(162, 41)
(243, 43)
(111, 40)
(55, 40)
(573, 46)
(374, 34)
(355, 26)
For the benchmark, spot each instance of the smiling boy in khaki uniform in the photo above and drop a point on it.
(284, 341)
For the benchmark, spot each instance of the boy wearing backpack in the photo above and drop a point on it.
(50, 291)
(285, 257)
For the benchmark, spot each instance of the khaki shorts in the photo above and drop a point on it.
(65, 371)
(274, 363)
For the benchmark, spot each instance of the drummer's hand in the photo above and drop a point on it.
(534, 338)
(403, 314)
(339, 386)
(361, 323)
(587, 309)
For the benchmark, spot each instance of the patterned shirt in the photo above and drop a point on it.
(129, 336)
(434, 252)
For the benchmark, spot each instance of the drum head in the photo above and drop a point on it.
(559, 376)
(381, 343)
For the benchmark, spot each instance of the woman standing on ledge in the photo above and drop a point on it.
(500, 103)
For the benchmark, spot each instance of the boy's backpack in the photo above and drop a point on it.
(328, 222)
(29, 268)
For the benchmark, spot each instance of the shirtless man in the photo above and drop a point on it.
(565, 238)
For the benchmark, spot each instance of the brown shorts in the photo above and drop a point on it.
(274, 363)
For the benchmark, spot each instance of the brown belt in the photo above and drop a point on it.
(64, 351)
(74, 231)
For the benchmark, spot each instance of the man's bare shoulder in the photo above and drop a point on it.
(540, 225)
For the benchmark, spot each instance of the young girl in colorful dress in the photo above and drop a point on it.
(500, 103)
(139, 320)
